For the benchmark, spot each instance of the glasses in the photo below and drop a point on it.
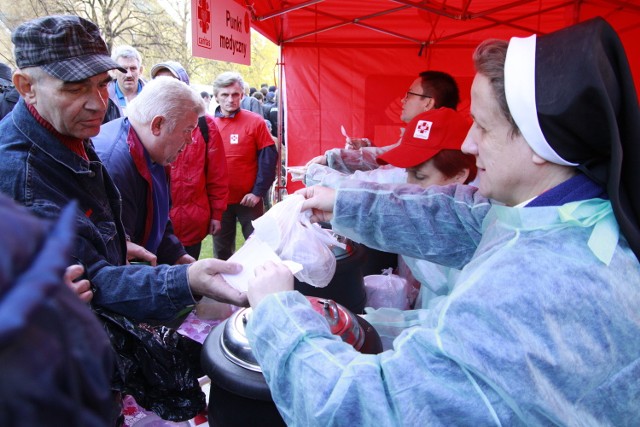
(416, 94)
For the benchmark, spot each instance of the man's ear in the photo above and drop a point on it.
(430, 104)
(25, 87)
(156, 125)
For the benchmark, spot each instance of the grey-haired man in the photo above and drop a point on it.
(47, 160)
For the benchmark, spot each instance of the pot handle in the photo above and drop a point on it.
(331, 312)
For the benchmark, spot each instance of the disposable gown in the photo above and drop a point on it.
(541, 326)
(435, 279)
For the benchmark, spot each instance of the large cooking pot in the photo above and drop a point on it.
(347, 285)
(239, 395)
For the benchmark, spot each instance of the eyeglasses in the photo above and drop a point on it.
(416, 94)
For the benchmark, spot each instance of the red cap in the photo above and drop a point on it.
(425, 136)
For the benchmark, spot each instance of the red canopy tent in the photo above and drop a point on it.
(348, 62)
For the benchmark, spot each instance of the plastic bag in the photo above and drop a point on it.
(157, 366)
(290, 233)
(387, 290)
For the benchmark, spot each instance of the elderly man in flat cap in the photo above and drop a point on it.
(48, 160)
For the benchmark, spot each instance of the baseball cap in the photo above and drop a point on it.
(67, 47)
(425, 136)
(174, 68)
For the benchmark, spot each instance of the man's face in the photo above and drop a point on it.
(229, 98)
(128, 81)
(74, 109)
(413, 104)
(168, 144)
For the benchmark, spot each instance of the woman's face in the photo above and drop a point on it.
(426, 174)
(506, 168)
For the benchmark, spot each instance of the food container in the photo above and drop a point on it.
(239, 395)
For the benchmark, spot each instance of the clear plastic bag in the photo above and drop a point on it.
(387, 290)
(290, 233)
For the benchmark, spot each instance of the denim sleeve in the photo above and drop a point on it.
(142, 292)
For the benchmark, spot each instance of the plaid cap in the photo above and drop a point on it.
(68, 47)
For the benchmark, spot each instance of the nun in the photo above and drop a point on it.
(542, 325)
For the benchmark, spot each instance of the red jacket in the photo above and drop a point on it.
(199, 186)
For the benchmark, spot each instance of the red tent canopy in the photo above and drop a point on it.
(348, 62)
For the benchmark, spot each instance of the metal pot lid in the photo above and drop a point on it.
(234, 342)
(236, 348)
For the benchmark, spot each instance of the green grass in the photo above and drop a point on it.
(207, 244)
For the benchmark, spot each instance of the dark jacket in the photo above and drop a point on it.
(145, 206)
(8, 100)
(40, 172)
(56, 360)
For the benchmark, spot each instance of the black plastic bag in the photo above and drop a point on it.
(157, 366)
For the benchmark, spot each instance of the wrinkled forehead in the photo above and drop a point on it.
(231, 89)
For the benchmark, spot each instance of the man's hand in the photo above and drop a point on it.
(205, 279)
(250, 200)
(320, 200)
(185, 259)
(269, 278)
(214, 227)
(82, 288)
(138, 253)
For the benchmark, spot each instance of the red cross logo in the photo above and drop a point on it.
(423, 127)
(204, 15)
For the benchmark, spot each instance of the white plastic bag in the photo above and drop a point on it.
(290, 233)
(387, 290)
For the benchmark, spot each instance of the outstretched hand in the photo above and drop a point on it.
(205, 279)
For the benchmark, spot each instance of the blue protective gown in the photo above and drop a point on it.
(541, 327)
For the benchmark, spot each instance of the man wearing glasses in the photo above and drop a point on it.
(431, 89)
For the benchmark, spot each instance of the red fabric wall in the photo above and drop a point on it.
(360, 89)
(338, 73)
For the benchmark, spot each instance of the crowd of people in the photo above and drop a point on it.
(520, 225)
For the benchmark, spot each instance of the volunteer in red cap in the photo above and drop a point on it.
(430, 150)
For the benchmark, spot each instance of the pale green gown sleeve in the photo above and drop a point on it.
(537, 330)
